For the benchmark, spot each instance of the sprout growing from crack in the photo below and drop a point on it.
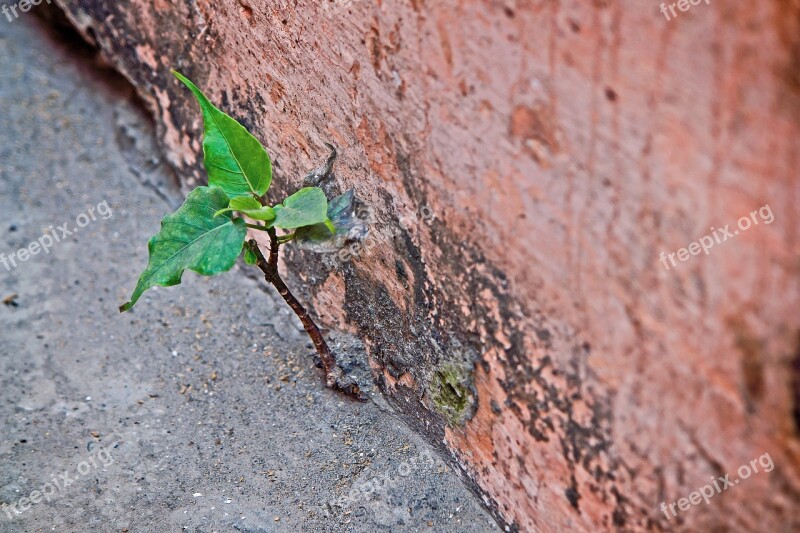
(205, 236)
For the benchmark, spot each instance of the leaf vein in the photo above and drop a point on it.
(227, 142)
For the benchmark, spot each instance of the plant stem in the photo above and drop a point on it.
(270, 269)
(255, 226)
(334, 377)
(274, 246)
(283, 239)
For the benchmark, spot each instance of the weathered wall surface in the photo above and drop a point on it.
(562, 146)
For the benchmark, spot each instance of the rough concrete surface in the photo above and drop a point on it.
(203, 409)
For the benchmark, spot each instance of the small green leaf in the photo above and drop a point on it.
(341, 205)
(265, 213)
(245, 203)
(249, 206)
(192, 238)
(252, 208)
(234, 159)
(349, 227)
(250, 257)
(306, 207)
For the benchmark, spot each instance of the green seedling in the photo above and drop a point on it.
(205, 235)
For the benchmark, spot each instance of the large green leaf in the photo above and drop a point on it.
(306, 207)
(249, 206)
(234, 159)
(193, 238)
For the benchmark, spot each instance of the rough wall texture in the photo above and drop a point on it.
(562, 146)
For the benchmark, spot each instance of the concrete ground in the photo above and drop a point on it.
(200, 411)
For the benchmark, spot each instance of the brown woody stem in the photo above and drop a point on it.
(270, 269)
(334, 377)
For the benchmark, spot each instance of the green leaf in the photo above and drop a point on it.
(341, 205)
(192, 238)
(306, 207)
(245, 203)
(250, 257)
(250, 207)
(349, 227)
(234, 159)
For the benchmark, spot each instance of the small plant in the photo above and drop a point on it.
(205, 236)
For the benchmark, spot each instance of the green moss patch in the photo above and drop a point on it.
(452, 394)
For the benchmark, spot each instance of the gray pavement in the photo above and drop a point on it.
(202, 410)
